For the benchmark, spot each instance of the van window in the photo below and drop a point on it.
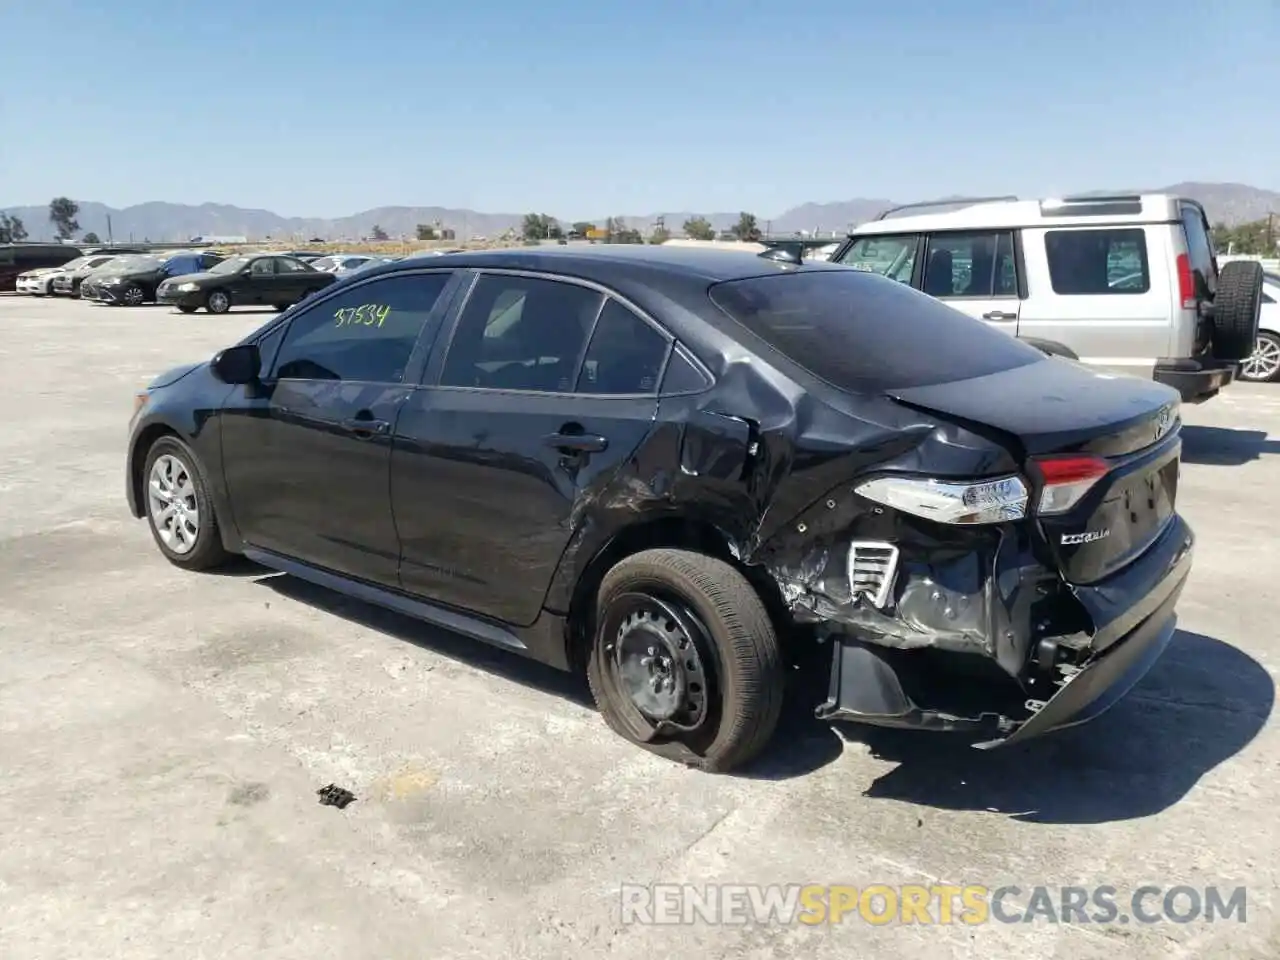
(1199, 251)
(892, 257)
(1093, 262)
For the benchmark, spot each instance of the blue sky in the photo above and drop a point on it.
(325, 108)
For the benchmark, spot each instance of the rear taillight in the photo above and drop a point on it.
(1186, 283)
(951, 501)
(1066, 480)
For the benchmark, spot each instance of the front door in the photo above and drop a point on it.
(492, 469)
(306, 453)
(976, 273)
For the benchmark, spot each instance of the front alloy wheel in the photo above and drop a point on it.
(133, 295)
(1263, 365)
(179, 509)
(218, 302)
(172, 504)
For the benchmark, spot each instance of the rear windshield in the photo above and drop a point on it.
(864, 333)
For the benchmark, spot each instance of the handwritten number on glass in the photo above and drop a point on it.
(366, 315)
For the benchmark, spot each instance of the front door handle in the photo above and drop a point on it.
(999, 315)
(571, 443)
(365, 428)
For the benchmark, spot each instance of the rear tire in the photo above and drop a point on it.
(1237, 305)
(713, 663)
(1263, 365)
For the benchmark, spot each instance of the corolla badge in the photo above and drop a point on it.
(1089, 536)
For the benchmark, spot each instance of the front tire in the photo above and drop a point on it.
(685, 661)
(219, 301)
(186, 309)
(178, 507)
(1263, 365)
(133, 295)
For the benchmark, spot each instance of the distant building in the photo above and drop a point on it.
(219, 239)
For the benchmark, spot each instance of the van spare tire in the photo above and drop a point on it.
(1236, 308)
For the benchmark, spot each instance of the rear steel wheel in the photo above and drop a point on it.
(684, 660)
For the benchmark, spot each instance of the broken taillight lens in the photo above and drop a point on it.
(951, 501)
(1066, 480)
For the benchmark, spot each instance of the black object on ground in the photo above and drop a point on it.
(335, 796)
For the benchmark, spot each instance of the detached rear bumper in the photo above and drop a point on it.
(1196, 380)
(1134, 616)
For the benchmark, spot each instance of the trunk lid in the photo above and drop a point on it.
(1058, 408)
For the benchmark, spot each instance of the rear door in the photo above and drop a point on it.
(1102, 291)
(544, 391)
(975, 272)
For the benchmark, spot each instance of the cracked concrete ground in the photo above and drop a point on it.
(163, 736)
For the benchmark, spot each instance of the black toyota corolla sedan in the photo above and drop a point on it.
(677, 470)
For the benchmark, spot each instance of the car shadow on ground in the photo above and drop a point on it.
(1224, 446)
(1203, 702)
(802, 745)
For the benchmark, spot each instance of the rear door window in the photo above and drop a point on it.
(1098, 262)
(976, 264)
(893, 257)
(859, 333)
(625, 356)
(521, 333)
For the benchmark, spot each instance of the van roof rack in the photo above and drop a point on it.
(944, 203)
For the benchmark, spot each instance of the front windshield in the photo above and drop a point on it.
(230, 266)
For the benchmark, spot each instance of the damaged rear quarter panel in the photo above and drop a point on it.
(771, 465)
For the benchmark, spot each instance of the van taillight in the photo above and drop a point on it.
(1186, 283)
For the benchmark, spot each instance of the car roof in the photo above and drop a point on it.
(1073, 211)
(601, 262)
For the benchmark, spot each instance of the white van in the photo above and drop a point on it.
(1128, 283)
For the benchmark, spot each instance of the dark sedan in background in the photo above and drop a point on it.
(253, 280)
(132, 281)
(67, 283)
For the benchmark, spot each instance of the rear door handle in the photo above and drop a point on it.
(999, 315)
(576, 442)
(364, 428)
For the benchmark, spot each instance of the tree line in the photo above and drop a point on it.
(541, 226)
(1255, 238)
(62, 214)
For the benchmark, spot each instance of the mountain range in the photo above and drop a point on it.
(1230, 203)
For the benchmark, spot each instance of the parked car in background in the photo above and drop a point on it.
(132, 281)
(252, 280)
(306, 256)
(67, 283)
(18, 258)
(1263, 365)
(39, 283)
(1128, 283)
(343, 263)
(682, 472)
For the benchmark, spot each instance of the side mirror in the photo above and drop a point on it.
(238, 365)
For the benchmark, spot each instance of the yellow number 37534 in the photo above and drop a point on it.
(367, 314)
